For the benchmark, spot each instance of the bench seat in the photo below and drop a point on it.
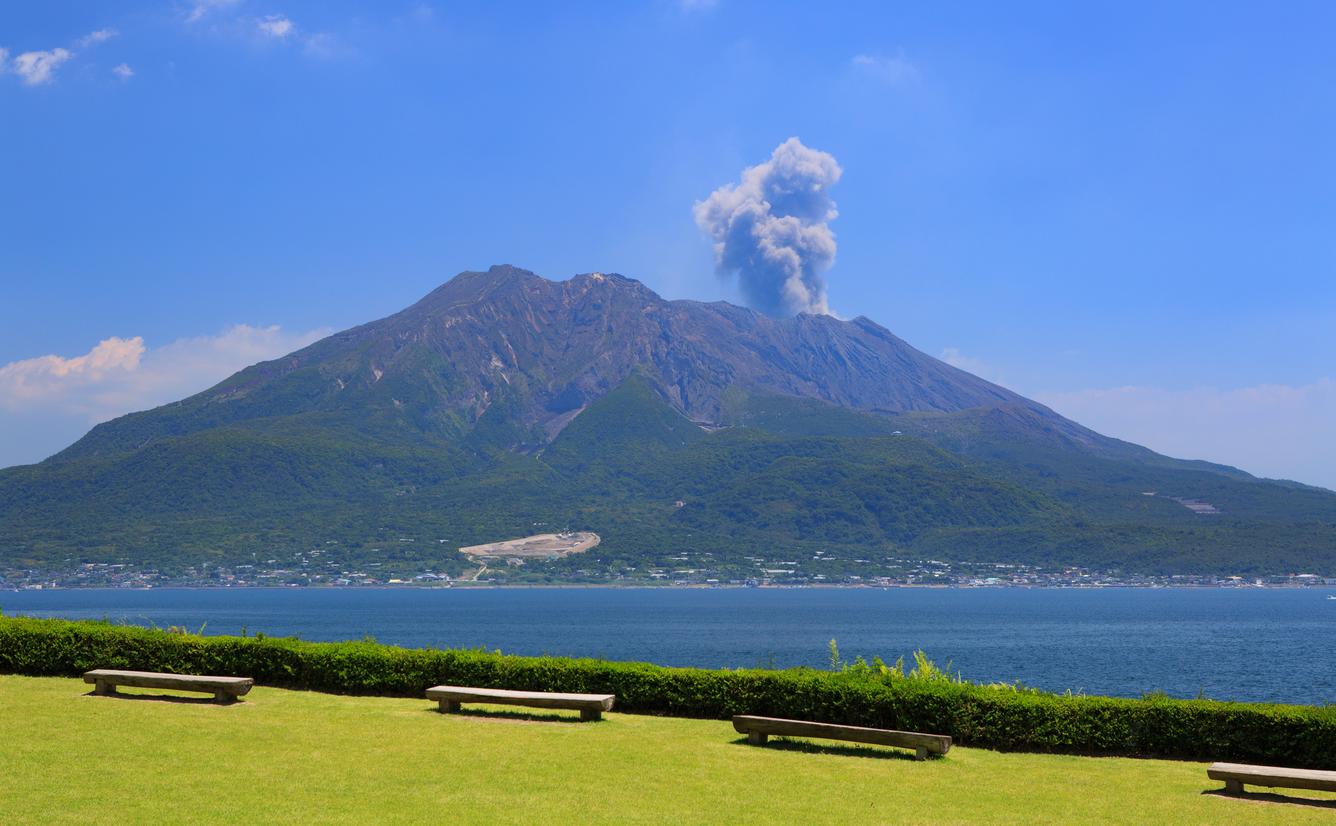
(590, 706)
(1236, 775)
(223, 689)
(758, 729)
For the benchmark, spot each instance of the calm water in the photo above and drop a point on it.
(1267, 645)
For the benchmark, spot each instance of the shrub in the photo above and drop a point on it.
(998, 717)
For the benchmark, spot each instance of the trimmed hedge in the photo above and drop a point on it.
(987, 716)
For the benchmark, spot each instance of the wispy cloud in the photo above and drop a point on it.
(891, 71)
(954, 357)
(325, 46)
(275, 25)
(1286, 431)
(99, 36)
(277, 28)
(321, 45)
(123, 71)
(121, 375)
(202, 8)
(38, 68)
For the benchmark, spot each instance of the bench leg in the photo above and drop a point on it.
(222, 698)
(104, 688)
(921, 753)
(448, 706)
(756, 738)
(1234, 786)
(590, 714)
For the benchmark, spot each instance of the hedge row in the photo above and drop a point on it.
(986, 716)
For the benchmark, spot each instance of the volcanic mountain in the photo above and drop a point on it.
(503, 403)
(542, 351)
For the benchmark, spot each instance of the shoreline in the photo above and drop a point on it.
(577, 586)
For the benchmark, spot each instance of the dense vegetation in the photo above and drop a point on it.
(786, 479)
(998, 717)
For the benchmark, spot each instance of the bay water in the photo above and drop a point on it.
(1268, 645)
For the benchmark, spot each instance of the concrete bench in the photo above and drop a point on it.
(758, 729)
(590, 706)
(223, 689)
(1236, 775)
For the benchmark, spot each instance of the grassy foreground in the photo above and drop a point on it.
(291, 756)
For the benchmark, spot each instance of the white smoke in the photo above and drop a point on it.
(771, 229)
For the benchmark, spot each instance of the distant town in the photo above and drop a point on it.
(821, 571)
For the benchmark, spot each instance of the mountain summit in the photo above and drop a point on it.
(503, 403)
(544, 350)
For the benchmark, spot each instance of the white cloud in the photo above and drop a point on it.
(1273, 430)
(99, 36)
(24, 381)
(275, 26)
(123, 71)
(324, 45)
(980, 368)
(892, 71)
(201, 8)
(46, 403)
(121, 375)
(37, 68)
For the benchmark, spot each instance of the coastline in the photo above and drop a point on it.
(581, 586)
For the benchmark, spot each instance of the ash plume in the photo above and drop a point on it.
(771, 229)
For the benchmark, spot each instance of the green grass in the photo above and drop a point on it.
(291, 756)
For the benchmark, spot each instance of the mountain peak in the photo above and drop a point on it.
(478, 286)
(542, 350)
(474, 285)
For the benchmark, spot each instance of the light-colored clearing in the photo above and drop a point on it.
(539, 545)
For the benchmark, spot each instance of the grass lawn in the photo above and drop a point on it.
(292, 756)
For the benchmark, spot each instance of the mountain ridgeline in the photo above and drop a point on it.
(691, 436)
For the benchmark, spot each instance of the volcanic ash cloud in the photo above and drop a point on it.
(772, 229)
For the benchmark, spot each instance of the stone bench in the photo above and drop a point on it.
(223, 689)
(1236, 775)
(758, 729)
(590, 706)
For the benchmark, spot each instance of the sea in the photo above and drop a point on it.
(1262, 645)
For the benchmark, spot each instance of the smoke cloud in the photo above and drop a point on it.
(771, 229)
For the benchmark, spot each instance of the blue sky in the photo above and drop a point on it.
(1123, 210)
